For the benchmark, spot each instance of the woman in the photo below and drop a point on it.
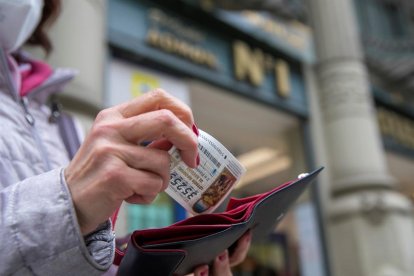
(55, 211)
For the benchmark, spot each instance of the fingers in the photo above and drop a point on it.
(110, 166)
(157, 100)
(153, 116)
(138, 186)
(223, 263)
(146, 191)
(221, 266)
(110, 173)
(162, 144)
(146, 174)
(156, 161)
(162, 124)
(240, 252)
(201, 271)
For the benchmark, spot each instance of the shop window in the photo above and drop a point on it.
(394, 20)
(362, 15)
(158, 214)
(385, 19)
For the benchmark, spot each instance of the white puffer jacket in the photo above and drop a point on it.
(39, 233)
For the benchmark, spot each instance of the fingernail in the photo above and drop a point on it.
(195, 129)
(198, 160)
(223, 256)
(204, 272)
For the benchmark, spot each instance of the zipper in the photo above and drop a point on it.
(24, 102)
(55, 114)
(55, 108)
(31, 120)
(29, 117)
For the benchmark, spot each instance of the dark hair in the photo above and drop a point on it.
(51, 11)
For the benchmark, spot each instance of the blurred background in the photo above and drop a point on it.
(287, 86)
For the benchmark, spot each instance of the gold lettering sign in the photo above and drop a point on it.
(174, 25)
(172, 44)
(252, 65)
(282, 78)
(248, 64)
(397, 127)
(294, 33)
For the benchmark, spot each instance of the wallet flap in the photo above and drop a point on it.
(203, 250)
(259, 213)
(269, 209)
(149, 262)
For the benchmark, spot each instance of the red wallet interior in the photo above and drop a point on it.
(237, 211)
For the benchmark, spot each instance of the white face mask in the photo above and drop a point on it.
(18, 20)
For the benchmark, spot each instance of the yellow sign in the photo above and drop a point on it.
(142, 83)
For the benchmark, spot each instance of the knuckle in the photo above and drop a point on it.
(159, 93)
(103, 129)
(104, 149)
(112, 174)
(166, 117)
(98, 130)
(103, 114)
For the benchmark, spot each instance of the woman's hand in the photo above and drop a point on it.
(111, 166)
(223, 263)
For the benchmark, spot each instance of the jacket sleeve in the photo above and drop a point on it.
(40, 235)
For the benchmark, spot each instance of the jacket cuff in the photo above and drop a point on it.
(101, 244)
(47, 231)
(98, 247)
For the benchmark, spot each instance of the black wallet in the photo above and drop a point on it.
(178, 249)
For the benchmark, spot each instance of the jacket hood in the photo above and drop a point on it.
(22, 75)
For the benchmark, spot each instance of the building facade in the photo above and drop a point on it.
(369, 222)
(322, 83)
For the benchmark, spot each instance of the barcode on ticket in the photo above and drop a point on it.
(209, 155)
